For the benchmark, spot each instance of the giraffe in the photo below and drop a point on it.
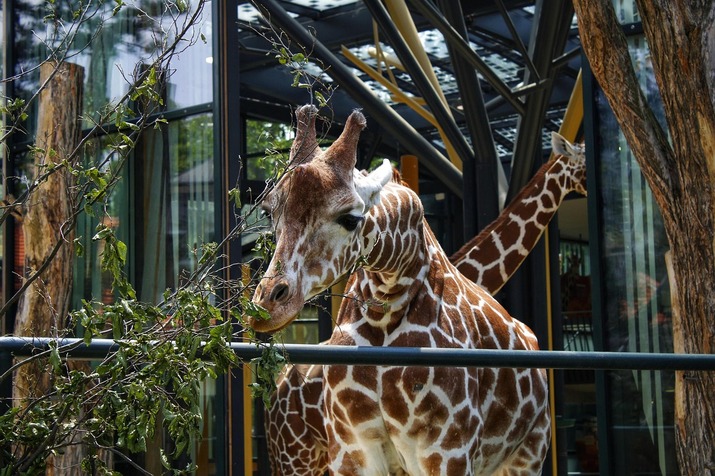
(508, 240)
(297, 441)
(329, 219)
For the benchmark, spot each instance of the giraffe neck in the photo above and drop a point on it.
(510, 238)
(397, 259)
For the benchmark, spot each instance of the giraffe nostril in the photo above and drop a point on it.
(280, 292)
(258, 294)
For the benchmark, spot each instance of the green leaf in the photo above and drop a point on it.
(55, 359)
(256, 311)
(235, 195)
(78, 247)
(322, 102)
(118, 6)
(122, 251)
(164, 459)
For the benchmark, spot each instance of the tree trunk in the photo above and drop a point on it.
(43, 307)
(681, 37)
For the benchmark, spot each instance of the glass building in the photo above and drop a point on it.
(226, 98)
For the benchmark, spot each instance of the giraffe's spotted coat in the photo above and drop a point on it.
(411, 418)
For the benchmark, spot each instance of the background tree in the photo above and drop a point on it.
(681, 174)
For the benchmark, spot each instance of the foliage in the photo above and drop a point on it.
(268, 141)
(308, 72)
(164, 350)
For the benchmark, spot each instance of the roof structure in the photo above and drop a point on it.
(498, 78)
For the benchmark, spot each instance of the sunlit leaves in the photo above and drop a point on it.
(268, 366)
(14, 109)
(149, 88)
(114, 257)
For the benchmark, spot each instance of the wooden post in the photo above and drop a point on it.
(409, 169)
(43, 307)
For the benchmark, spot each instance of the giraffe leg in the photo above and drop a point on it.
(367, 452)
(354, 461)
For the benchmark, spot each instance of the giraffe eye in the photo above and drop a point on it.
(349, 222)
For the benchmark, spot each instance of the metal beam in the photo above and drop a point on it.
(548, 39)
(481, 179)
(517, 39)
(460, 44)
(228, 146)
(74, 348)
(378, 111)
(411, 65)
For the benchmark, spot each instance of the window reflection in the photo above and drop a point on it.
(111, 47)
(637, 309)
(267, 145)
(174, 211)
(163, 206)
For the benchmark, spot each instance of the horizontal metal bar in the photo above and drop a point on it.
(403, 356)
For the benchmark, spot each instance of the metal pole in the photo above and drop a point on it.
(400, 356)
(550, 31)
(481, 178)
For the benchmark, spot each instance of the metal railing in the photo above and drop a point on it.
(399, 356)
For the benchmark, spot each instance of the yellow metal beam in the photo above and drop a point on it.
(410, 171)
(337, 291)
(415, 104)
(247, 400)
(394, 90)
(402, 19)
(573, 117)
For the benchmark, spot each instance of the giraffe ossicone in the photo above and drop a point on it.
(394, 420)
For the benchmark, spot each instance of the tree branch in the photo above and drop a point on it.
(606, 47)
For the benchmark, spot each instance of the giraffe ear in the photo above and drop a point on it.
(368, 186)
(305, 145)
(342, 153)
(560, 146)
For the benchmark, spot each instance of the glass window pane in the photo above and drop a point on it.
(174, 210)
(163, 207)
(626, 11)
(267, 146)
(637, 308)
(112, 48)
(89, 282)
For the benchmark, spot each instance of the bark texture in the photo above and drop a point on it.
(49, 235)
(681, 37)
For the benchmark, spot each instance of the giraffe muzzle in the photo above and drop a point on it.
(280, 300)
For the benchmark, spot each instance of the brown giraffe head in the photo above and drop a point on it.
(318, 209)
(577, 155)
